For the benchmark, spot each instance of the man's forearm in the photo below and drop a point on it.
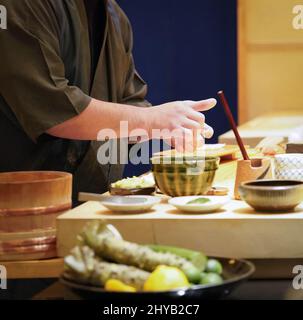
(101, 115)
(180, 123)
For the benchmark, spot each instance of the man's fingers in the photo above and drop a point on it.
(188, 140)
(196, 116)
(208, 131)
(198, 139)
(202, 105)
(192, 125)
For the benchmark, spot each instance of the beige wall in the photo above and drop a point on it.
(270, 58)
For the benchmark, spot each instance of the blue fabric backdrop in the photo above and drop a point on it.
(186, 49)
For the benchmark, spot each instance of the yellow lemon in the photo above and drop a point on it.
(118, 286)
(166, 278)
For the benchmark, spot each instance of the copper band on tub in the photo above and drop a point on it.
(29, 256)
(28, 249)
(34, 211)
(9, 245)
(22, 236)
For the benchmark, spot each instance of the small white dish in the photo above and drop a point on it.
(130, 203)
(214, 204)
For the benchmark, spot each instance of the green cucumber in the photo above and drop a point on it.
(198, 259)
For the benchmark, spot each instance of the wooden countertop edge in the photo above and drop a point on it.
(51, 268)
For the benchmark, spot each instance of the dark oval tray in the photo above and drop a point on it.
(132, 192)
(234, 273)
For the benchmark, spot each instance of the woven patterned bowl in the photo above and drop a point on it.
(184, 176)
(289, 166)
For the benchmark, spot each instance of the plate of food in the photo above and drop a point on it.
(104, 266)
(130, 204)
(144, 185)
(199, 204)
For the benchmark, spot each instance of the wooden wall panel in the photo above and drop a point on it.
(274, 81)
(270, 58)
(270, 21)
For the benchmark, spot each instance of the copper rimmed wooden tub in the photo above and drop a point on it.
(30, 202)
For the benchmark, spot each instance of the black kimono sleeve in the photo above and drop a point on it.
(32, 77)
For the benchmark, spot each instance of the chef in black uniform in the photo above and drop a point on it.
(66, 72)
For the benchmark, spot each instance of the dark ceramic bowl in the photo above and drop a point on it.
(272, 195)
(184, 176)
(234, 273)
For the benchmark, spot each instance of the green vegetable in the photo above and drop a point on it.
(202, 275)
(112, 249)
(214, 266)
(193, 275)
(198, 259)
(199, 201)
(211, 279)
(82, 266)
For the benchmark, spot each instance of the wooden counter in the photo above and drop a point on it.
(217, 235)
(37, 269)
(236, 231)
(278, 124)
(52, 268)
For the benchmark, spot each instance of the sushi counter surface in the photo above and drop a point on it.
(273, 241)
(37, 269)
(278, 124)
(234, 231)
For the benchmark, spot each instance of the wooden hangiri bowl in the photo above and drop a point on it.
(30, 202)
(24, 193)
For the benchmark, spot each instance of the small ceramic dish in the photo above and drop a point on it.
(130, 203)
(213, 203)
(272, 195)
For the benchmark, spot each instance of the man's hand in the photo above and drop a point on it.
(181, 124)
